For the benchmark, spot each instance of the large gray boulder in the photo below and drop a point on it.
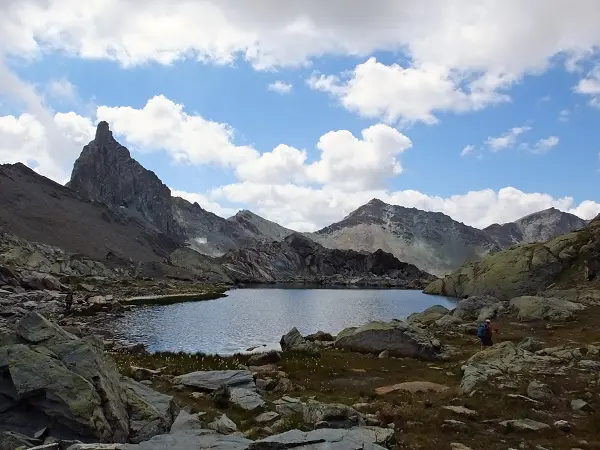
(530, 308)
(211, 380)
(504, 361)
(53, 379)
(398, 338)
(429, 316)
(470, 308)
(295, 342)
(150, 412)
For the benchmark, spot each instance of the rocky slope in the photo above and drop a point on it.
(38, 209)
(432, 241)
(537, 227)
(299, 259)
(572, 258)
(260, 228)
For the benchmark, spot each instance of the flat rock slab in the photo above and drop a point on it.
(524, 425)
(246, 399)
(287, 406)
(266, 417)
(412, 386)
(211, 380)
(461, 410)
(360, 438)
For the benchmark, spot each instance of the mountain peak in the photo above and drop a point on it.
(103, 133)
(377, 202)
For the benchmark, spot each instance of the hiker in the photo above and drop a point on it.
(484, 333)
(68, 301)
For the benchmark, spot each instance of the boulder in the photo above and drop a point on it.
(470, 308)
(399, 338)
(247, 399)
(210, 380)
(293, 341)
(262, 359)
(322, 415)
(288, 406)
(266, 417)
(539, 391)
(321, 336)
(429, 316)
(186, 422)
(503, 360)
(530, 308)
(223, 425)
(151, 413)
(53, 379)
(41, 281)
(531, 344)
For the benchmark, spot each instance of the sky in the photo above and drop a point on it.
(303, 110)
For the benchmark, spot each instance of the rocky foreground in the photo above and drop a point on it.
(417, 384)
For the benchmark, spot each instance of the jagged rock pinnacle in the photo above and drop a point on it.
(103, 132)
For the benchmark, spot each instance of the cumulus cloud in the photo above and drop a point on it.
(460, 55)
(280, 87)
(507, 140)
(163, 125)
(590, 86)
(544, 145)
(26, 139)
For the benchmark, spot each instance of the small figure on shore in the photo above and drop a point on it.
(484, 333)
(68, 302)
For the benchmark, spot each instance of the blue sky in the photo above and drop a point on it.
(425, 109)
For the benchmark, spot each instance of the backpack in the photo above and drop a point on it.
(482, 331)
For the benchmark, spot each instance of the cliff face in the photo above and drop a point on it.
(299, 259)
(106, 173)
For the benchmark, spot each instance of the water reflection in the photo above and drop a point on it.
(254, 317)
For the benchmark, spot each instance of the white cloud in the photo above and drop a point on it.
(26, 139)
(564, 115)
(468, 150)
(282, 164)
(280, 87)
(291, 204)
(409, 94)
(460, 55)
(545, 145)
(204, 202)
(163, 125)
(591, 86)
(507, 140)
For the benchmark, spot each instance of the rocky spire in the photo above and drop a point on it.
(103, 133)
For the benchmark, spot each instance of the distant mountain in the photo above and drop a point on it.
(259, 228)
(432, 241)
(298, 259)
(106, 173)
(537, 227)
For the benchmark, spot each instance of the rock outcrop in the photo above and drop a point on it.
(531, 308)
(528, 269)
(51, 379)
(298, 259)
(398, 338)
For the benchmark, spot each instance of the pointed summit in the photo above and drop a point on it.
(103, 133)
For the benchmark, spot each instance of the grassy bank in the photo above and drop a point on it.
(168, 299)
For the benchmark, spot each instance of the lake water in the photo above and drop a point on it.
(259, 317)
